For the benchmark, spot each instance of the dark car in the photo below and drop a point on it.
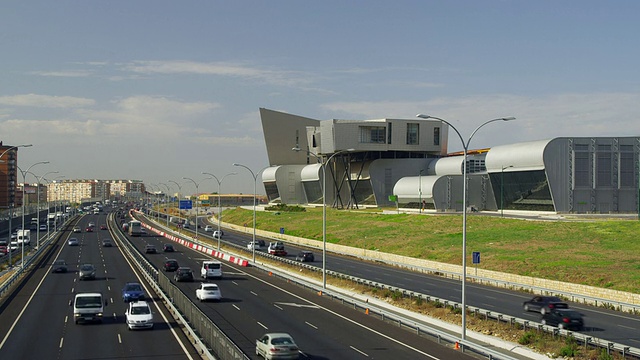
(87, 272)
(107, 243)
(544, 304)
(89, 229)
(132, 292)
(150, 249)
(305, 256)
(168, 248)
(171, 265)
(59, 266)
(563, 319)
(103, 227)
(183, 274)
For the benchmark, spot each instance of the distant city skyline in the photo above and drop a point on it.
(161, 90)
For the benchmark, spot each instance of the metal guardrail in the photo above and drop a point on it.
(30, 257)
(212, 341)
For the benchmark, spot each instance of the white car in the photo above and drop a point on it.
(208, 291)
(208, 228)
(139, 315)
(277, 346)
(254, 244)
(73, 242)
(218, 234)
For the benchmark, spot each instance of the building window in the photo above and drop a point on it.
(436, 136)
(412, 133)
(627, 169)
(389, 133)
(581, 169)
(372, 134)
(604, 166)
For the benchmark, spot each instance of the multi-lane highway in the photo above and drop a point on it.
(37, 322)
(255, 303)
(601, 323)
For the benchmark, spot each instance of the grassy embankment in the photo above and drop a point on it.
(602, 253)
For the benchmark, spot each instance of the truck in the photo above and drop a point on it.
(88, 307)
(24, 237)
(135, 228)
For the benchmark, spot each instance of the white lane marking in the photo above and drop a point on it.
(297, 305)
(263, 326)
(627, 327)
(276, 305)
(237, 308)
(310, 324)
(119, 339)
(61, 342)
(361, 352)
(254, 293)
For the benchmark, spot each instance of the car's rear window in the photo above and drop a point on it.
(281, 341)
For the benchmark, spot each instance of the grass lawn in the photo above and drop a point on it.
(603, 253)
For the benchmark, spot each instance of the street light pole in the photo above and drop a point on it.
(12, 187)
(165, 197)
(219, 206)
(24, 183)
(323, 165)
(465, 146)
(420, 189)
(38, 211)
(179, 192)
(255, 180)
(197, 199)
(502, 189)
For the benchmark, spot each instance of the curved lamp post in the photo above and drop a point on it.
(24, 183)
(324, 206)
(55, 205)
(38, 211)
(465, 146)
(168, 191)
(219, 206)
(255, 180)
(11, 202)
(197, 200)
(179, 191)
(502, 189)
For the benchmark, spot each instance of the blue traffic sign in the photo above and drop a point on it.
(186, 204)
(476, 257)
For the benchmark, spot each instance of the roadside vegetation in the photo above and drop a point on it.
(594, 252)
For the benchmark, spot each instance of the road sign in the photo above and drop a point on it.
(205, 203)
(476, 257)
(186, 204)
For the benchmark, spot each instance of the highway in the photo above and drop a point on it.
(37, 322)
(255, 303)
(602, 323)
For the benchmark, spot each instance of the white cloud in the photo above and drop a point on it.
(63, 73)
(46, 101)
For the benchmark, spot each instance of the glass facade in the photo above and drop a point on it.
(522, 190)
(313, 191)
(413, 129)
(363, 192)
(271, 189)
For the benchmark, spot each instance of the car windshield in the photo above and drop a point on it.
(210, 287)
(59, 262)
(133, 287)
(86, 268)
(88, 302)
(140, 310)
(281, 341)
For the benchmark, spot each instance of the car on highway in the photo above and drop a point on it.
(87, 272)
(211, 269)
(183, 274)
(218, 234)
(43, 227)
(4, 247)
(76, 229)
(92, 224)
(208, 228)
(305, 256)
(150, 249)
(171, 265)
(258, 245)
(277, 248)
(563, 319)
(139, 315)
(277, 346)
(107, 243)
(544, 304)
(89, 229)
(208, 291)
(168, 248)
(132, 291)
(103, 227)
(73, 242)
(59, 266)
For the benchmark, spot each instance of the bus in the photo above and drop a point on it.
(135, 228)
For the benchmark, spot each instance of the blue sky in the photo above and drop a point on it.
(157, 90)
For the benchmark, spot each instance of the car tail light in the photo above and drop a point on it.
(551, 306)
(566, 320)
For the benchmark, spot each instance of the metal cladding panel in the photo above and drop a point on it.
(522, 156)
(269, 174)
(311, 172)
(448, 166)
(408, 187)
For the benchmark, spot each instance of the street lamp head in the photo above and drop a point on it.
(508, 118)
(297, 148)
(423, 116)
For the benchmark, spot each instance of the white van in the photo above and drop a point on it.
(88, 307)
(211, 269)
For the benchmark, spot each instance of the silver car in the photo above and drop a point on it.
(87, 272)
(277, 346)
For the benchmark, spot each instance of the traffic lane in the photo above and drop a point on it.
(251, 306)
